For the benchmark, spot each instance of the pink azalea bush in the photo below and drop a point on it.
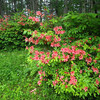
(71, 69)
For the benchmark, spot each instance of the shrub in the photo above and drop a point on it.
(11, 29)
(80, 25)
(71, 70)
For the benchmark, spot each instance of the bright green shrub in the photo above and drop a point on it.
(68, 70)
(72, 68)
(79, 25)
(11, 30)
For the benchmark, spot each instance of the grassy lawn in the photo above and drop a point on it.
(16, 80)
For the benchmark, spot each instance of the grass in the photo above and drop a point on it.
(16, 80)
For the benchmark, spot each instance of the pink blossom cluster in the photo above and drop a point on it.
(85, 89)
(34, 19)
(33, 91)
(39, 13)
(73, 80)
(74, 52)
(88, 60)
(45, 57)
(53, 44)
(45, 38)
(95, 70)
(40, 56)
(21, 23)
(54, 82)
(97, 82)
(42, 74)
(58, 30)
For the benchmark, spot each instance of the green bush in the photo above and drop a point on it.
(80, 25)
(11, 30)
(67, 57)
(71, 70)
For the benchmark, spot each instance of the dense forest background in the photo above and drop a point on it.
(57, 7)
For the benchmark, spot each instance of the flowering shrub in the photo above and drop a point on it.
(66, 65)
(70, 69)
(12, 28)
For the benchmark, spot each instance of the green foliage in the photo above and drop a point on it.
(71, 70)
(16, 78)
(80, 25)
(63, 60)
(11, 30)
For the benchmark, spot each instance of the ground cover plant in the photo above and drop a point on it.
(63, 59)
(15, 80)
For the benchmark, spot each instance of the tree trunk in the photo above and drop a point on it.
(1, 8)
(14, 5)
(94, 6)
(84, 6)
(66, 6)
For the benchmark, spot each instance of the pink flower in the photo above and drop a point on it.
(85, 89)
(62, 32)
(63, 83)
(44, 73)
(33, 19)
(65, 44)
(48, 37)
(26, 39)
(57, 45)
(80, 71)
(73, 57)
(42, 35)
(80, 57)
(57, 39)
(66, 86)
(56, 28)
(38, 13)
(33, 90)
(36, 52)
(52, 44)
(72, 73)
(95, 70)
(73, 80)
(41, 52)
(97, 82)
(66, 50)
(26, 47)
(66, 80)
(41, 77)
(39, 83)
(37, 41)
(95, 61)
(60, 27)
(90, 38)
(41, 24)
(88, 60)
(40, 72)
(55, 54)
(32, 48)
(55, 82)
(66, 58)
(61, 78)
(47, 61)
(30, 17)
(36, 19)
